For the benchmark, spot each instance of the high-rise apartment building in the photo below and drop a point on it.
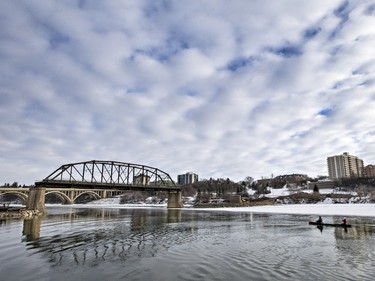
(369, 171)
(344, 166)
(187, 178)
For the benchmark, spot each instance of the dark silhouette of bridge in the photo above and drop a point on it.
(109, 175)
(100, 178)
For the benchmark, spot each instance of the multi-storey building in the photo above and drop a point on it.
(187, 178)
(369, 171)
(344, 166)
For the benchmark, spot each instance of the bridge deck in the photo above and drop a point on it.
(101, 185)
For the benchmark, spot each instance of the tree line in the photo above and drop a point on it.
(13, 185)
(355, 182)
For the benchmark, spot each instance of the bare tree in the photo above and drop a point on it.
(248, 181)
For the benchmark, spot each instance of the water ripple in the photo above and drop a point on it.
(195, 246)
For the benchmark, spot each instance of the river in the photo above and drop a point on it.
(159, 244)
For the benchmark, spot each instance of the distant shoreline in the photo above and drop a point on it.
(359, 210)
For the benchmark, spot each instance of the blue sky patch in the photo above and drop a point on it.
(163, 52)
(153, 52)
(156, 7)
(299, 135)
(58, 39)
(288, 51)
(311, 32)
(368, 82)
(241, 62)
(359, 71)
(326, 112)
(337, 85)
(370, 10)
(187, 91)
(342, 11)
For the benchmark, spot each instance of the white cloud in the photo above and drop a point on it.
(217, 88)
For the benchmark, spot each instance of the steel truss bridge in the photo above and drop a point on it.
(109, 175)
(101, 179)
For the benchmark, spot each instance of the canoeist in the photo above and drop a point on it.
(320, 220)
(344, 221)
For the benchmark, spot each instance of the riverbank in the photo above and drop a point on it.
(250, 203)
(359, 210)
(348, 209)
(19, 213)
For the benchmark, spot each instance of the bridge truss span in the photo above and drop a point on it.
(102, 179)
(97, 173)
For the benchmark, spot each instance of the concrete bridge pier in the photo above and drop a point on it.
(174, 199)
(31, 229)
(36, 200)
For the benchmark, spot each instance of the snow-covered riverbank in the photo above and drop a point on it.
(325, 208)
(363, 210)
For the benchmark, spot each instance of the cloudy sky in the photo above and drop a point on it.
(220, 88)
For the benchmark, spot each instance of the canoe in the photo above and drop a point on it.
(330, 224)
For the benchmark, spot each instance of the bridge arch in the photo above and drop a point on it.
(20, 195)
(94, 194)
(61, 195)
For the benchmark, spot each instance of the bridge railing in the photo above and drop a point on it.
(100, 185)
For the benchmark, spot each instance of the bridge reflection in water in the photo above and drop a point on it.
(90, 236)
(116, 234)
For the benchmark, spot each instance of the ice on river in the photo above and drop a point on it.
(363, 210)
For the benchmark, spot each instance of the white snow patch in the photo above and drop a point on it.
(361, 210)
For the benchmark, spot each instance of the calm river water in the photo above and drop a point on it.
(160, 244)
